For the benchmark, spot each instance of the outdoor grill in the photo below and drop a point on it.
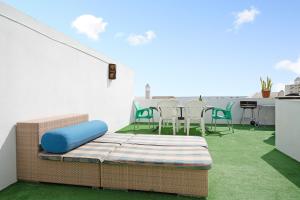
(248, 105)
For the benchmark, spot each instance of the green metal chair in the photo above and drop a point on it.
(142, 113)
(226, 114)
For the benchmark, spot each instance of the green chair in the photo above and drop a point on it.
(225, 114)
(142, 113)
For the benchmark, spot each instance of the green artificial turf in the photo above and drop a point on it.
(245, 166)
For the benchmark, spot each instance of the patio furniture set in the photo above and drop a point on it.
(72, 150)
(190, 112)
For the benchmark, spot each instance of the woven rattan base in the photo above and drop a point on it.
(181, 181)
(31, 168)
(74, 173)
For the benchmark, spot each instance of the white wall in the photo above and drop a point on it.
(267, 114)
(287, 138)
(42, 77)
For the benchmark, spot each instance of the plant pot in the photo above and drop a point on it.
(265, 93)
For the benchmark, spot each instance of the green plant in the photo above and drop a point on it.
(266, 85)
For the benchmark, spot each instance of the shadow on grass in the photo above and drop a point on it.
(270, 140)
(221, 131)
(47, 191)
(285, 165)
(143, 128)
(218, 133)
(250, 127)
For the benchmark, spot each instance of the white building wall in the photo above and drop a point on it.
(44, 73)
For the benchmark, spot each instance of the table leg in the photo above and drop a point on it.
(202, 127)
(206, 129)
(180, 117)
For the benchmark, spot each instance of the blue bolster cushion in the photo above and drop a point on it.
(64, 139)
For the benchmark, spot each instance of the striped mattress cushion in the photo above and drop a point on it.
(114, 138)
(50, 156)
(179, 156)
(91, 152)
(167, 140)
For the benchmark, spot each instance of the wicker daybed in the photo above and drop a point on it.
(118, 161)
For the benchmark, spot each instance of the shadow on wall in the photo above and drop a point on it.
(285, 165)
(8, 159)
(109, 82)
(132, 113)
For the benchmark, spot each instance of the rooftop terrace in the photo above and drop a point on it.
(58, 75)
(246, 165)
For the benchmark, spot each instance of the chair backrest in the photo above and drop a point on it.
(228, 109)
(193, 109)
(137, 105)
(229, 106)
(168, 109)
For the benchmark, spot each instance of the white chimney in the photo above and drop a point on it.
(147, 91)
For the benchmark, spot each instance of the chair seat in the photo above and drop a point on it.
(220, 117)
(143, 113)
(168, 112)
(193, 118)
(145, 117)
(226, 115)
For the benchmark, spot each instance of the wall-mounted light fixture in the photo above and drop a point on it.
(112, 71)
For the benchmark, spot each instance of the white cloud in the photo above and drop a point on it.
(135, 40)
(289, 65)
(89, 25)
(244, 17)
(278, 87)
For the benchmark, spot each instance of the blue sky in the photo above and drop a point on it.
(185, 47)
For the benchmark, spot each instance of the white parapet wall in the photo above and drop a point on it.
(267, 112)
(44, 73)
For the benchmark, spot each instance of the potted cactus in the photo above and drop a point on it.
(266, 87)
